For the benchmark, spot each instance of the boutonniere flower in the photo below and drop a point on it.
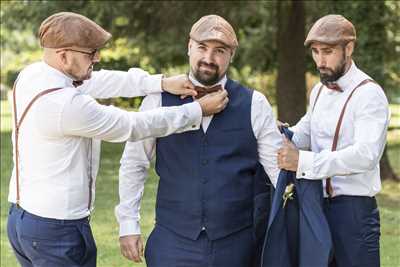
(288, 194)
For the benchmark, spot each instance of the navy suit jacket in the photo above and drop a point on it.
(297, 235)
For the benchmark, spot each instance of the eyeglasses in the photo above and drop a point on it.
(90, 54)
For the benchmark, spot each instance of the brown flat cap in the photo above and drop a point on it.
(331, 29)
(68, 30)
(214, 27)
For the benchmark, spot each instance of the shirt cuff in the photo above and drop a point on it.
(196, 115)
(153, 84)
(129, 227)
(305, 165)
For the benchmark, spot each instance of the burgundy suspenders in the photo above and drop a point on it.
(328, 186)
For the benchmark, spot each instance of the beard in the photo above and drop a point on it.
(77, 73)
(205, 76)
(332, 75)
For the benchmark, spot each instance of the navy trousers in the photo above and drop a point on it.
(44, 242)
(355, 229)
(165, 248)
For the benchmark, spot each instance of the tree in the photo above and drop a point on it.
(291, 83)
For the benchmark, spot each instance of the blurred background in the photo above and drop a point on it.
(271, 58)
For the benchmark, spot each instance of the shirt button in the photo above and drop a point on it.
(303, 174)
(193, 126)
(205, 162)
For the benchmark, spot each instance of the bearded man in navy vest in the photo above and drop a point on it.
(209, 178)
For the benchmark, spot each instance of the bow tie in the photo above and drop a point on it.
(333, 86)
(202, 91)
(77, 83)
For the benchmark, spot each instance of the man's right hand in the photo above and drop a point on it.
(214, 102)
(178, 85)
(132, 247)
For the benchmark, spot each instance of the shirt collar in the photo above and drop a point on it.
(221, 82)
(347, 80)
(58, 76)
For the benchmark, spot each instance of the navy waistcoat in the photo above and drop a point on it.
(207, 179)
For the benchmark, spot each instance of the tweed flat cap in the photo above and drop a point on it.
(68, 30)
(214, 27)
(331, 29)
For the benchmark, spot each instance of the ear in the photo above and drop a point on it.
(349, 49)
(62, 57)
(190, 43)
(232, 55)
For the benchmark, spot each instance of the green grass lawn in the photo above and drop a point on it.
(105, 227)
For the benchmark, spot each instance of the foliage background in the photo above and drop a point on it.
(153, 35)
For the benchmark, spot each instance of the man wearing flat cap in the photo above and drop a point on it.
(208, 189)
(341, 139)
(57, 133)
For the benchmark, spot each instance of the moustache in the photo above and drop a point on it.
(324, 69)
(210, 65)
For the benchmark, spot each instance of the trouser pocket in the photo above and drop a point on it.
(55, 244)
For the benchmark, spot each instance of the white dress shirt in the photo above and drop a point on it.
(354, 167)
(56, 151)
(137, 156)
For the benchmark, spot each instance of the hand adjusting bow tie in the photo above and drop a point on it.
(202, 91)
(333, 86)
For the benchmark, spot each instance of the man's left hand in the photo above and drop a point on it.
(288, 156)
(178, 85)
